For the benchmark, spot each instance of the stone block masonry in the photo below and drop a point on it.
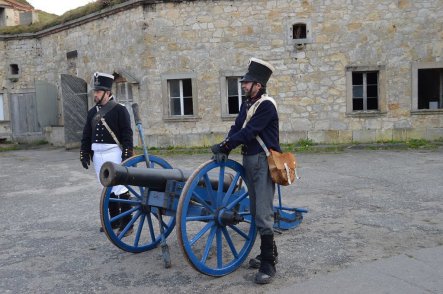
(208, 41)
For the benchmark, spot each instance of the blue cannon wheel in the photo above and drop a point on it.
(145, 233)
(215, 229)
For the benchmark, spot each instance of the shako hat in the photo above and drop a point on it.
(103, 81)
(258, 71)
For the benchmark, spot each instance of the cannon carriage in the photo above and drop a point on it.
(210, 206)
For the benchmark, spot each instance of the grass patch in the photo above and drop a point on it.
(8, 147)
(304, 146)
(420, 144)
(301, 146)
(170, 150)
(40, 142)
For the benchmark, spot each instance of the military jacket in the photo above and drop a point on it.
(264, 123)
(119, 122)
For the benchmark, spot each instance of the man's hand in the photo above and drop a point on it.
(85, 158)
(126, 153)
(220, 153)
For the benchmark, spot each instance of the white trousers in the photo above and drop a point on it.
(107, 152)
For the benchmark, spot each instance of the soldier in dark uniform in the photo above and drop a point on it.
(107, 136)
(264, 123)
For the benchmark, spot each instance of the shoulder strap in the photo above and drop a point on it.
(254, 107)
(111, 132)
(262, 144)
(251, 112)
(102, 112)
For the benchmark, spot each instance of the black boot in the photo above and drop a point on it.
(255, 262)
(114, 210)
(126, 219)
(267, 264)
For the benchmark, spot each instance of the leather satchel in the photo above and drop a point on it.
(282, 167)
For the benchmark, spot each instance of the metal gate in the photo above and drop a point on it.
(75, 108)
(24, 120)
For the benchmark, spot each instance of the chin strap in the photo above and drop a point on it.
(101, 99)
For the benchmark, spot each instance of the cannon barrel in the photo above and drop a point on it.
(112, 174)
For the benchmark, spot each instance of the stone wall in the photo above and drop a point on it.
(206, 38)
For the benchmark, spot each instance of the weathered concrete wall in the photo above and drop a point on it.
(11, 17)
(205, 38)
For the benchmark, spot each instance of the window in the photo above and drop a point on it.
(13, 69)
(124, 93)
(180, 95)
(298, 32)
(125, 88)
(430, 92)
(364, 91)
(427, 86)
(71, 54)
(236, 96)
(231, 93)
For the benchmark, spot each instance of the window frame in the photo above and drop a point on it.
(239, 95)
(167, 116)
(128, 88)
(381, 90)
(289, 25)
(14, 71)
(224, 75)
(415, 66)
(365, 85)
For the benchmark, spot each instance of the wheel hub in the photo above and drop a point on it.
(228, 217)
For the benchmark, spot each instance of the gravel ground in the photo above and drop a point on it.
(363, 206)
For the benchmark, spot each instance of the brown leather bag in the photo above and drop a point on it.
(282, 167)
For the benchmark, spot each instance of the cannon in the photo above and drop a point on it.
(210, 206)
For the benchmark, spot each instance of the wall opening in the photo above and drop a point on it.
(299, 31)
(13, 69)
(430, 92)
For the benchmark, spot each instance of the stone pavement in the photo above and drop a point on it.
(375, 225)
(416, 272)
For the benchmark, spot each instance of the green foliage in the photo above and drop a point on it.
(23, 2)
(419, 144)
(302, 145)
(41, 142)
(305, 142)
(7, 146)
(44, 17)
(49, 20)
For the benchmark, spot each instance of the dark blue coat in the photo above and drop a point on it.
(264, 123)
(118, 120)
